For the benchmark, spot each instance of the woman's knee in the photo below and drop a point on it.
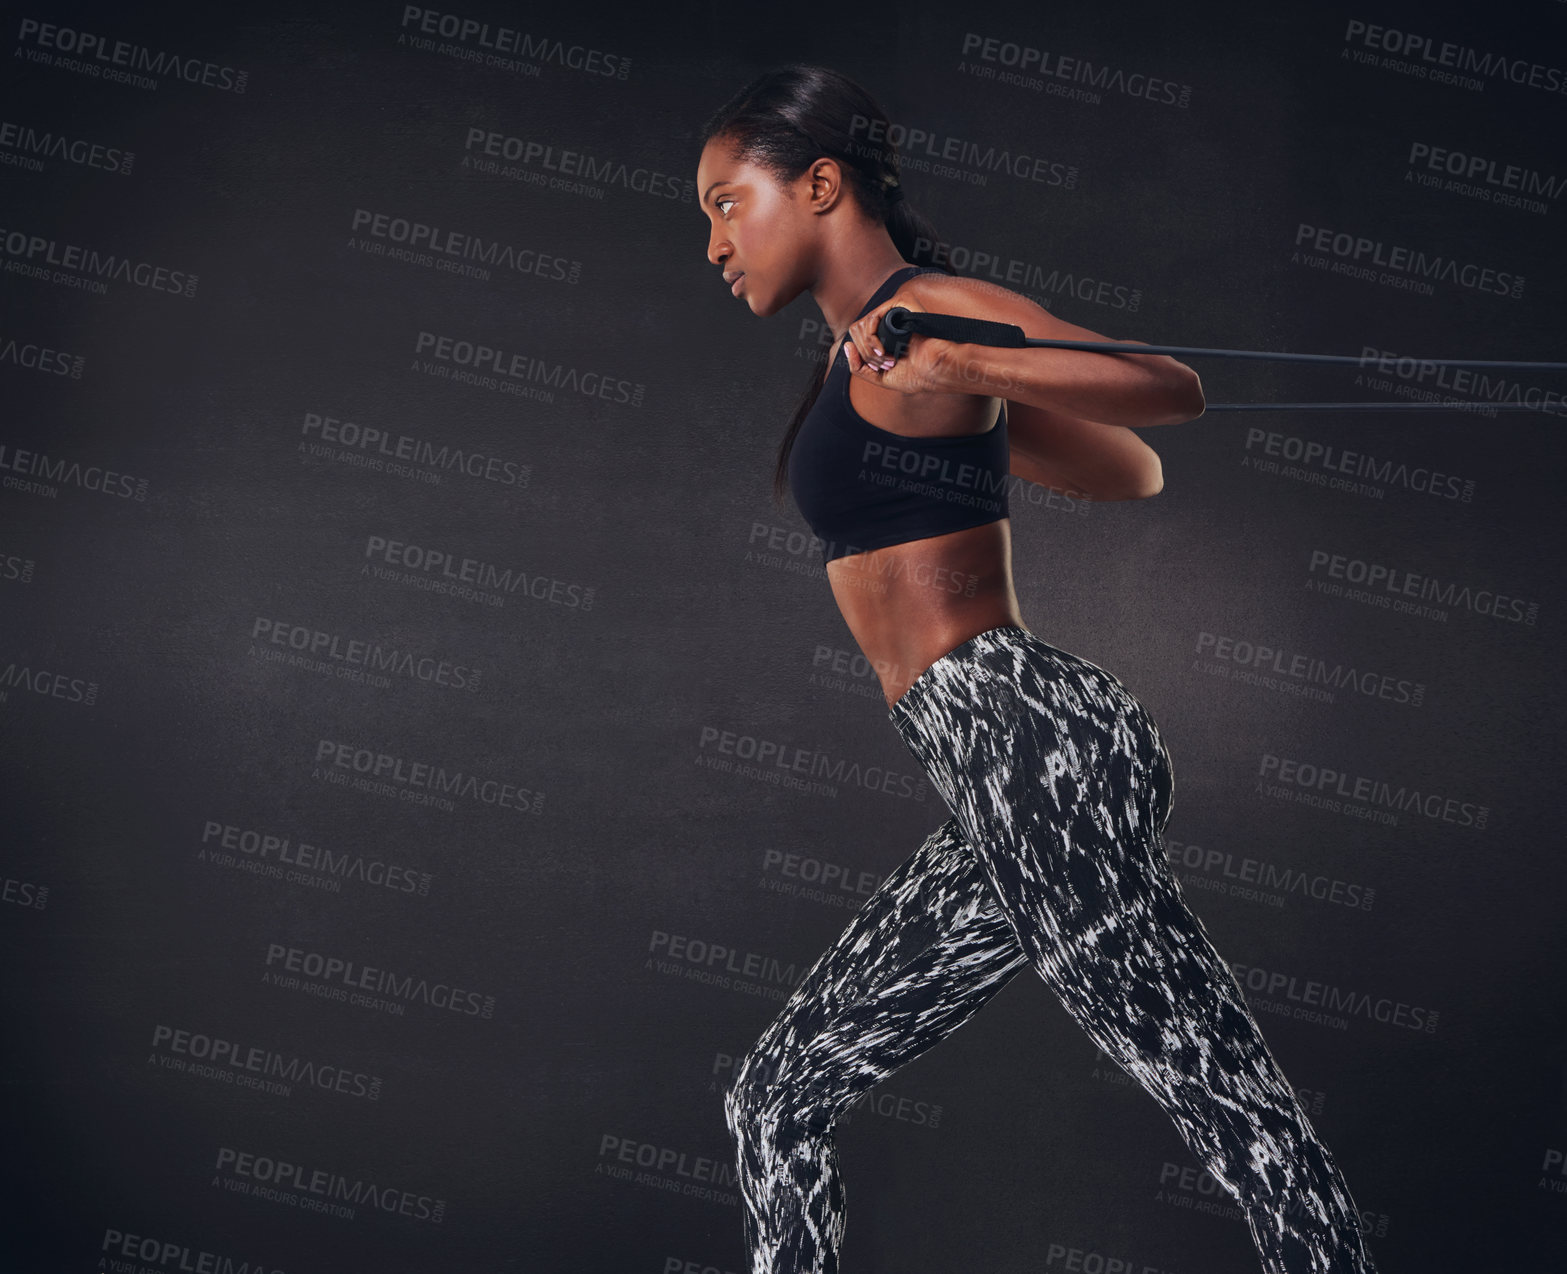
(747, 1092)
(756, 1091)
(761, 1104)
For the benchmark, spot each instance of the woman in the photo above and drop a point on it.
(1057, 779)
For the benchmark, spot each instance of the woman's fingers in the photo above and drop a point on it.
(862, 333)
(911, 373)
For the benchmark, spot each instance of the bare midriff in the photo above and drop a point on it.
(908, 604)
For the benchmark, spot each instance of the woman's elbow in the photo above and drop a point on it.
(1149, 483)
(1186, 401)
(1143, 483)
(1179, 397)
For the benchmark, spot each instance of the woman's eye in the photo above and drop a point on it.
(720, 202)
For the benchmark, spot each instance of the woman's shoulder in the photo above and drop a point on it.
(938, 284)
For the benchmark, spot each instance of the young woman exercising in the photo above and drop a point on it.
(1057, 779)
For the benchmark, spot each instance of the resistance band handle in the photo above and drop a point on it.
(898, 324)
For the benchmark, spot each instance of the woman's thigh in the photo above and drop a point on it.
(927, 950)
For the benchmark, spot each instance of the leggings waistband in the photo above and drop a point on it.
(964, 662)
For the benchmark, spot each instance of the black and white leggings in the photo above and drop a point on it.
(1059, 786)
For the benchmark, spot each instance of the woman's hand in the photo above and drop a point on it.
(919, 368)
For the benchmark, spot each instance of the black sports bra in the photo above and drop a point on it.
(861, 487)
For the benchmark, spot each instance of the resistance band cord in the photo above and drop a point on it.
(899, 324)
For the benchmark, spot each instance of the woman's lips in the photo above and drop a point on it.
(734, 288)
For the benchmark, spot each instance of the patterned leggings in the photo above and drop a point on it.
(1059, 786)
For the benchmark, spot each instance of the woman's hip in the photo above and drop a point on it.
(1007, 703)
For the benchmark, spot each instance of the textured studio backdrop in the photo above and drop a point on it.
(430, 756)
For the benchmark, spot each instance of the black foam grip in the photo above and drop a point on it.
(899, 324)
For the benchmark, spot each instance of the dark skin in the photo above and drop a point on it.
(1071, 414)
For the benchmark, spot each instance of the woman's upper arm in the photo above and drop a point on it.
(1105, 462)
(975, 298)
(1052, 448)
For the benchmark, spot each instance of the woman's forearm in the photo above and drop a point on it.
(1137, 391)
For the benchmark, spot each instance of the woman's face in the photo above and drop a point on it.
(757, 228)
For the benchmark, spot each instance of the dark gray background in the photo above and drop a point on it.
(1451, 1139)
